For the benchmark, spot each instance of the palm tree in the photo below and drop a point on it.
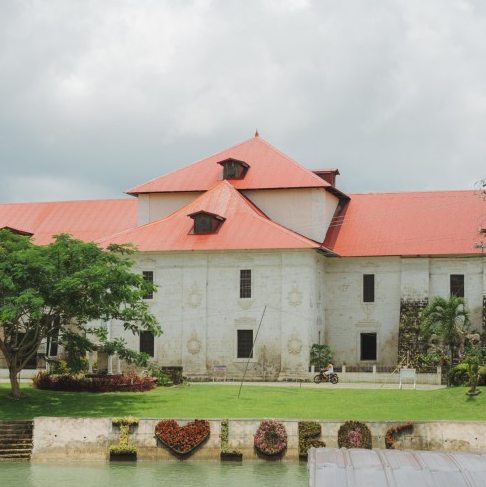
(449, 320)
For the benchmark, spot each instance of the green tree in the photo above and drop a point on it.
(448, 319)
(320, 355)
(55, 291)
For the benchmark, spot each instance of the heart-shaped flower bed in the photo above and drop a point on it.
(182, 439)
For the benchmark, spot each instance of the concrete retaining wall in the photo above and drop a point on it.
(90, 438)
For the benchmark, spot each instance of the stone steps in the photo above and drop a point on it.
(16, 440)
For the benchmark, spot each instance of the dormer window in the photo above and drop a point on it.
(205, 223)
(234, 169)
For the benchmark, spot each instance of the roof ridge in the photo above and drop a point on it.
(295, 162)
(130, 191)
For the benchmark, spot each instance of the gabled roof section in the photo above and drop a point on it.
(414, 223)
(268, 169)
(86, 220)
(244, 228)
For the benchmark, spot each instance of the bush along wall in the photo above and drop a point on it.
(270, 438)
(226, 453)
(390, 434)
(309, 434)
(182, 440)
(483, 335)
(124, 451)
(409, 339)
(354, 434)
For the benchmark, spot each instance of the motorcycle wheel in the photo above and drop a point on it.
(318, 379)
(334, 379)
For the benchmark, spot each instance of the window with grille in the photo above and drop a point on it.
(147, 342)
(368, 288)
(245, 344)
(149, 277)
(245, 283)
(457, 285)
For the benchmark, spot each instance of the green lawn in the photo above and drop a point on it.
(214, 401)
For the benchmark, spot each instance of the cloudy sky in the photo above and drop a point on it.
(97, 96)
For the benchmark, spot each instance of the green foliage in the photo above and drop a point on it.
(126, 420)
(59, 367)
(459, 375)
(446, 318)
(320, 355)
(161, 378)
(62, 287)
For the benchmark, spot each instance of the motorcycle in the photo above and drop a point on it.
(321, 377)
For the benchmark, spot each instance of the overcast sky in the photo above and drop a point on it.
(97, 96)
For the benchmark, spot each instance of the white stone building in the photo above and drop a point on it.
(249, 240)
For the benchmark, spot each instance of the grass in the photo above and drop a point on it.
(216, 401)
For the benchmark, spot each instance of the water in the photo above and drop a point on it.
(154, 474)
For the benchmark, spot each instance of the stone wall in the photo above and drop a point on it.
(90, 438)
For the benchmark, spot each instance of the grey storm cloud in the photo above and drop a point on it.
(97, 96)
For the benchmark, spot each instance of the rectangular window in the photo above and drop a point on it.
(52, 341)
(149, 277)
(457, 285)
(245, 344)
(147, 342)
(368, 346)
(245, 283)
(368, 288)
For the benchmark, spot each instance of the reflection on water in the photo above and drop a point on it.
(154, 474)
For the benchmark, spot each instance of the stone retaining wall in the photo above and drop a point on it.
(90, 438)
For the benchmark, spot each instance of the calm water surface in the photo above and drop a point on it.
(154, 474)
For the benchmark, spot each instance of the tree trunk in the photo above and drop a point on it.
(14, 382)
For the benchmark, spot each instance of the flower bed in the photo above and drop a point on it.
(270, 438)
(226, 453)
(123, 451)
(354, 434)
(309, 433)
(182, 439)
(130, 382)
(390, 434)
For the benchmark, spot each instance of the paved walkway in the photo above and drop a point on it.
(341, 385)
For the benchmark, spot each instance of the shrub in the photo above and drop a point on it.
(354, 434)
(129, 382)
(182, 439)
(270, 438)
(309, 433)
(459, 375)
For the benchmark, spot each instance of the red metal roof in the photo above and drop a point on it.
(418, 223)
(269, 168)
(245, 227)
(86, 220)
